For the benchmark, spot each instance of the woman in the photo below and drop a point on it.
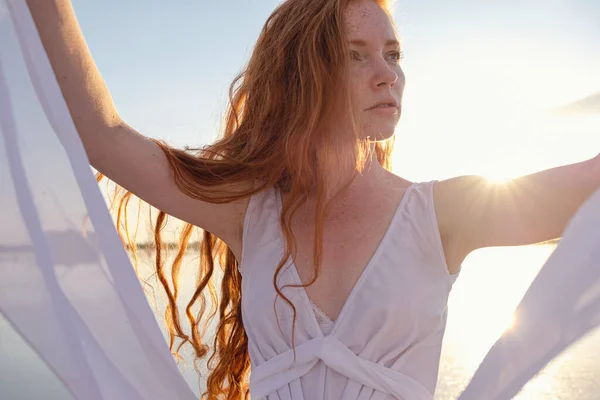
(302, 173)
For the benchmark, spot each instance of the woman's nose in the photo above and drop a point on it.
(385, 74)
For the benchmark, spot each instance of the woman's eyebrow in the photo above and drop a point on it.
(362, 43)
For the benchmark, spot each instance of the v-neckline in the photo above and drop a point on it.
(363, 275)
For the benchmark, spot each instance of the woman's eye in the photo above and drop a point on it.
(398, 55)
(354, 55)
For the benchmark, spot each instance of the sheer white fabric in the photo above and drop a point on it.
(67, 287)
(66, 284)
(561, 305)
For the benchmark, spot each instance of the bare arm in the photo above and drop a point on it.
(84, 90)
(114, 148)
(534, 208)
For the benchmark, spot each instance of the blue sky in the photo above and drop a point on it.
(469, 64)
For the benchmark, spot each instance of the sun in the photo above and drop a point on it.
(498, 177)
(505, 170)
(501, 173)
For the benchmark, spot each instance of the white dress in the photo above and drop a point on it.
(386, 342)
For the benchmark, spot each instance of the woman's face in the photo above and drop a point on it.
(375, 75)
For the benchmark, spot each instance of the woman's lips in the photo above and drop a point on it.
(385, 110)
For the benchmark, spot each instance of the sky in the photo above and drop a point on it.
(493, 88)
(498, 89)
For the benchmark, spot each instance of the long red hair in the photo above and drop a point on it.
(271, 135)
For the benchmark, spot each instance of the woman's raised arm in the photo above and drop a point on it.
(115, 149)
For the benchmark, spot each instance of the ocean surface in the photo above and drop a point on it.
(490, 286)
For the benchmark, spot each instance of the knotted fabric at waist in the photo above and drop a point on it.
(281, 370)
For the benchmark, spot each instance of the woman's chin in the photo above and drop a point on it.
(383, 134)
(380, 131)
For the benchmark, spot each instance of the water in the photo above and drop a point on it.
(490, 286)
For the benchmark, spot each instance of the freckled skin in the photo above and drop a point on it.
(376, 75)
